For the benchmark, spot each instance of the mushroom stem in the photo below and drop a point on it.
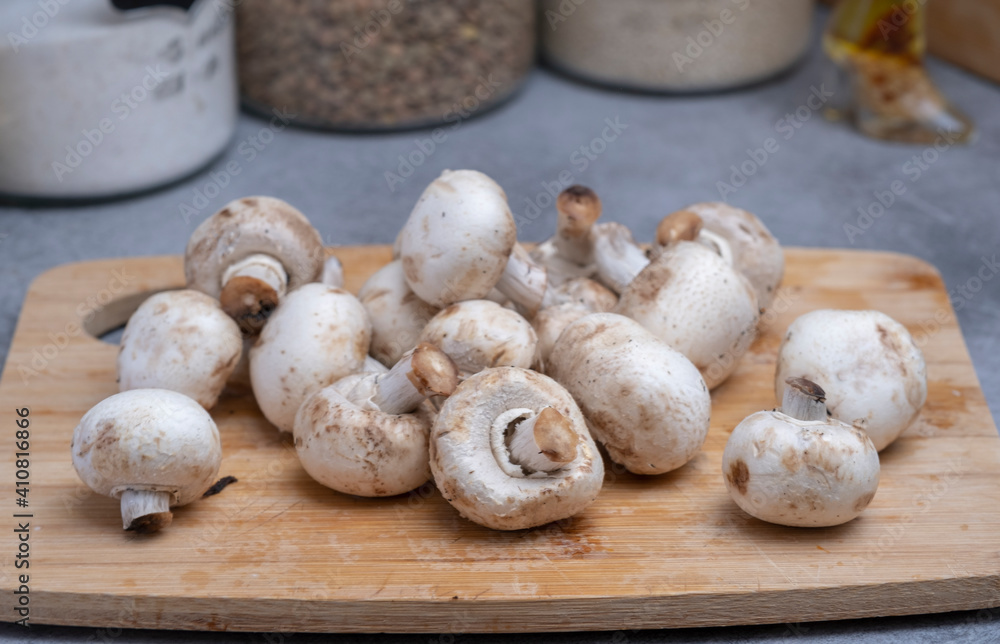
(333, 273)
(619, 259)
(543, 443)
(145, 511)
(426, 371)
(252, 287)
(579, 208)
(525, 282)
(804, 399)
(685, 225)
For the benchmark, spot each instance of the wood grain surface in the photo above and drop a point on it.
(278, 552)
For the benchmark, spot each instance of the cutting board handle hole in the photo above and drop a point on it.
(106, 323)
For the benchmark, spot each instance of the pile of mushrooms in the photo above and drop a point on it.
(497, 370)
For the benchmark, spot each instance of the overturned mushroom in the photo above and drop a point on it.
(182, 341)
(644, 401)
(690, 298)
(873, 373)
(478, 334)
(396, 313)
(318, 335)
(569, 253)
(510, 450)
(737, 235)
(249, 254)
(798, 467)
(359, 438)
(152, 449)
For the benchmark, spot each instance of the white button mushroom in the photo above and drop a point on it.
(396, 313)
(456, 242)
(643, 400)
(478, 334)
(359, 437)
(182, 341)
(569, 253)
(510, 450)
(250, 253)
(152, 449)
(797, 467)
(873, 373)
(573, 300)
(734, 233)
(617, 258)
(318, 335)
(690, 298)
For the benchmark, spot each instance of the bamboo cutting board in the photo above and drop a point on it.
(278, 552)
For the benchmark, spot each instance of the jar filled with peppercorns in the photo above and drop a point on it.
(383, 64)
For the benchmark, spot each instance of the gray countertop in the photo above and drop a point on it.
(669, 152)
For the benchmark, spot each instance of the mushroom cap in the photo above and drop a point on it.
(468, 472)
(396, 313)
(643, 400)
(247, 227)
(147, 439)
(589, 293)
(756, 252)
(182, 341)
(358, 450)
(457, 240)
(478, 334)
(317, 336)
(873, 373)
(549, 325)
(800, 473)
(690, 298)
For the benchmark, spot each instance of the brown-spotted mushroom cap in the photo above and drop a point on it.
(690, 298)
(873, 373)
(478, 334)
(510, 450)
(754, 250)
(359, 437)
(250, 253)
(397, 314)
(797, 466)
(152, 449)
(643, 400)
(456, 242)
(182, 341)
(317, 336)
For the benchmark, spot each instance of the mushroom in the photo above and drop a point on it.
(510, 450)
(359, 438)
(690, 298)
(797, 466)
(617, 258)
(333, 272)
(182, 341)
(873, 373)
(643, 400)
(152, 449)
(569, 253)
(737, 235)
(573, 299)
(318, 335)
(478, 334)
(397, 314)
(250, 253)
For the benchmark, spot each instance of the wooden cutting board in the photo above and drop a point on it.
(278, 552)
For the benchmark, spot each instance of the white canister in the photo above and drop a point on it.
(674, 45)
(96, 102)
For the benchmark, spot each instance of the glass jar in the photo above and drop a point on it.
(674, 45)
(383, 64)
